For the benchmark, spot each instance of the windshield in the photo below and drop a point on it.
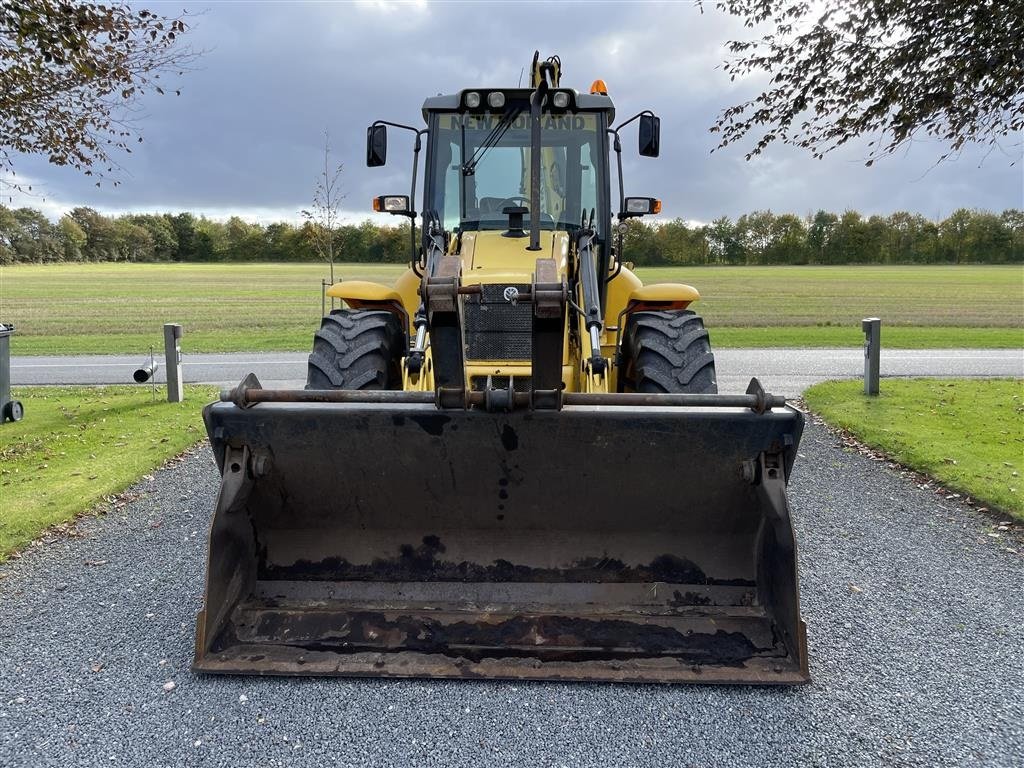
(481, 165)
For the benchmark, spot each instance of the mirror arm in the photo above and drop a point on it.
(419, 132)
(637, 116)
(617, 146)
(412, 194)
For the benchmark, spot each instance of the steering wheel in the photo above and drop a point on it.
(512, 202)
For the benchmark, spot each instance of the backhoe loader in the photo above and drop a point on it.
(514, 462)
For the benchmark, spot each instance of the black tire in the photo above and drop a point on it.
(668, 351)
(357, 349)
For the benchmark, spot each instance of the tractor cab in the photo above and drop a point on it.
(478, 165)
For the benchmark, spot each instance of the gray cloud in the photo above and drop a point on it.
(245, 136)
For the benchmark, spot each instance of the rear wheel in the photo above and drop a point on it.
(357, 349)
(667, 351)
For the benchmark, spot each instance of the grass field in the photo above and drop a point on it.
(967, 433)
(119, 308)
(78, 445)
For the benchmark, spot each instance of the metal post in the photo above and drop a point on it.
(172, 353)
(872, 327)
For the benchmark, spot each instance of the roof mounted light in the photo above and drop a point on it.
(472, 99)
(496, 99)
(598, 88)
(560, 99)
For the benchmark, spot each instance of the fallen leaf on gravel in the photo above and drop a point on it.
(994, 536)
(163, 662)
(169, 686)
(855, 589)
(96, 562)
(97, 667)
(147, 477)
(155, 523)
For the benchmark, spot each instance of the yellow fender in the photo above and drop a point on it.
(362, 294)
(358, 293)
(662, 296)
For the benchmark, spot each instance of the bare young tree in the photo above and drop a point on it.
(323, 215)
(887, 70)
(72, 72)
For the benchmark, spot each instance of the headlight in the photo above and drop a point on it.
(472, 99)
(561, 99)
(392, 204)
(496, 99)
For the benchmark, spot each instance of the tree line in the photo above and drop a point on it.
(761, 237)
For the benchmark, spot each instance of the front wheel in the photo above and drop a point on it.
(357, 349)
(667, 351)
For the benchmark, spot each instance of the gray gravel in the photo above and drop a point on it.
(924, 666)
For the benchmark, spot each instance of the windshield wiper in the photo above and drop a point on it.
(491, 140)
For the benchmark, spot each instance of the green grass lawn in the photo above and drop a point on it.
(967, 433)
(77, 445)
(120, 308)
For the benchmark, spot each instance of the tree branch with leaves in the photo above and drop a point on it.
(892, 71)
(71, 74)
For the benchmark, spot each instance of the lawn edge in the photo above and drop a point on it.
(946, 491)
(107, 504)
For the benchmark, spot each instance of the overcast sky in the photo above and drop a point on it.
(246, 134)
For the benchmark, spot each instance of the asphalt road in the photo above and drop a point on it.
(783, 371)
(914, 604)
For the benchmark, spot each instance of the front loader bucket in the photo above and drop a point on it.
(590, 543)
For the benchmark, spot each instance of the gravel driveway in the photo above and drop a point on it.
(915, 617)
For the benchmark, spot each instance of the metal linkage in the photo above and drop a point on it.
(249, 393)
(591, 295)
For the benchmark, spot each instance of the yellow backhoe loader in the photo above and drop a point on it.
(514, 462)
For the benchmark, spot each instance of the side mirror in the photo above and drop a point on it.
(650, 135)
(640, 206)
(376, 145)
(396, 204)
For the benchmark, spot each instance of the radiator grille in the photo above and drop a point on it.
(495, 328)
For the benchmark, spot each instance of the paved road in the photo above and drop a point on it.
(785, 371)
(915, 612)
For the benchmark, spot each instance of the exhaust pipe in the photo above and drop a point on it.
(146, 372)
